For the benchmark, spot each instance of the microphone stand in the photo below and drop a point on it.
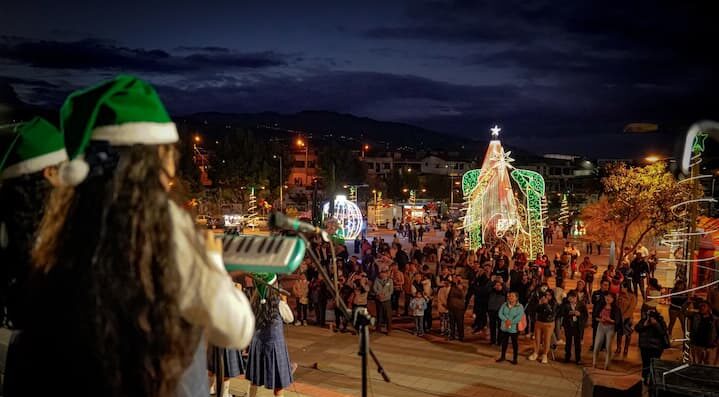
(360, 322)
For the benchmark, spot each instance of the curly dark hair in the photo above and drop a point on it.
(26, 196)
(110, 259)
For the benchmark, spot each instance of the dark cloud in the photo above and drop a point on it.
(30, 82)
(203, 49)
(99, 54)
(608, 42)
(549, 71)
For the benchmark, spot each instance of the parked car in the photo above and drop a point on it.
(216, 222)
(233, 219)
(202, 220)
(261, 222)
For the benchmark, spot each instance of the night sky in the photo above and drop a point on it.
(558, 76)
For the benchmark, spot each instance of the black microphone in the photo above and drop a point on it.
(280, 221)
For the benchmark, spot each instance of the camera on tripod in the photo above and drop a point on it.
(362, 318)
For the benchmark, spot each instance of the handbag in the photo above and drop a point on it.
(285, 312)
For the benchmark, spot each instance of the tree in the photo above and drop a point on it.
(338, 166)
(394, 184)
(438, 186)
(545, 211)
(188, 185)
(242, 160)
(640, 201)
(602, 226)
(564, 210)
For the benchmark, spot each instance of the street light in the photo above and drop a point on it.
(282, 182)
(376, 209)
(365, 148)
(197, 139)
(451, 189)
(302, 143)
(652, 159)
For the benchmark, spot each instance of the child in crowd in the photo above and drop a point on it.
(442, 295)
(301, 290)
(418, 306)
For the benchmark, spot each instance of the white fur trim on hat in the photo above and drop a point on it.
(72, 173)
(34, 164)
(149, 133)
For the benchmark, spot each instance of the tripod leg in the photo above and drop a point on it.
(364, 350)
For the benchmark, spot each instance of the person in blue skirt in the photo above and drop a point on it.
(233, 365)
(268, 362)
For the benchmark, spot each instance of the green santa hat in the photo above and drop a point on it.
(37, 144)
(269, 279)
(123, 111)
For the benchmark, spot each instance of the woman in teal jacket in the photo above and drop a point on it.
(510, 314)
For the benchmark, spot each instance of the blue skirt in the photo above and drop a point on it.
(233, 363)
(268, 363)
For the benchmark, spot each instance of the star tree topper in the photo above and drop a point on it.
(495, 131)
(502, 160)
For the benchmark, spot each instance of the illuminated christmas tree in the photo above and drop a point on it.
(252, 209)
(564, 210)
(494, 213)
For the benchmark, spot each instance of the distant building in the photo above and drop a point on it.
(379, 166)
(437, 166)
(570, 174)
(301, 174)
(382, 165)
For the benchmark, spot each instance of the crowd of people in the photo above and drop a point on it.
(107, 284)
(511, 297)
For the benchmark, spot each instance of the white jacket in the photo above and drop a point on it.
(208, 296)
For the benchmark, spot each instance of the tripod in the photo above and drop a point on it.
(360, 321)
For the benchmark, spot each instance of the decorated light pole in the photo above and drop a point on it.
(282, 182)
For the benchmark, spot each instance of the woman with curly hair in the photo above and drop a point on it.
(124, 288)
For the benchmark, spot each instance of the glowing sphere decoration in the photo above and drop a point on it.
(347, 214)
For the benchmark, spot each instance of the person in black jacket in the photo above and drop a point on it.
(400, 257)
(640, 271)
(545, 311)
(653, 339)
(574, 316)
(502, 270)
(704, 335)
(476, 290)
(495, 300)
